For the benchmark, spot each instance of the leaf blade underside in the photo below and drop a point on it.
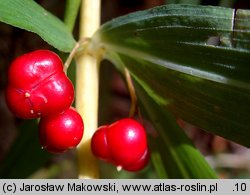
(193, 58)
(28, 15)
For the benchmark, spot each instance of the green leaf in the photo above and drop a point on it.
(191, 60)
(25, 156)
(71, 11)
(175, 156)
(29, 15)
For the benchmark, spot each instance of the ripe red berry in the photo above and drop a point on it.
(37, 85)
(127, 141)
(60, 132)
(99, 145)
(140, 164)
(122, 143)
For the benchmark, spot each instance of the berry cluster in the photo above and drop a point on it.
(38, 87)
(123, 144)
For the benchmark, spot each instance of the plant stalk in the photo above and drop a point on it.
(71, 10)
(87, 84)
(132, 93)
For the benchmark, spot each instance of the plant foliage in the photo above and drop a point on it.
(191, 60)
(29, 15)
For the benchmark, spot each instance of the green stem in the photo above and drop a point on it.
(87, 80)
(71, 11)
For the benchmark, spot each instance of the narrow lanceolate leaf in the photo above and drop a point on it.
(29, 15)
(194, 61)
(175, 155)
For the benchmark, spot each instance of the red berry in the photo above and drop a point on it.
(122, 143)
(62, 131)
(127, 141)
(37, 85)
(140, 164)
(99, 145)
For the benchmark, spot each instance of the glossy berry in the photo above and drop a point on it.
(140, 164)
(127, 141)
(122, 143)
(61, 132)
(99, 145)
(37, 85)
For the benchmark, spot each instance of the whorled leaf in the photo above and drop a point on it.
(192, 60)
(29, 15)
